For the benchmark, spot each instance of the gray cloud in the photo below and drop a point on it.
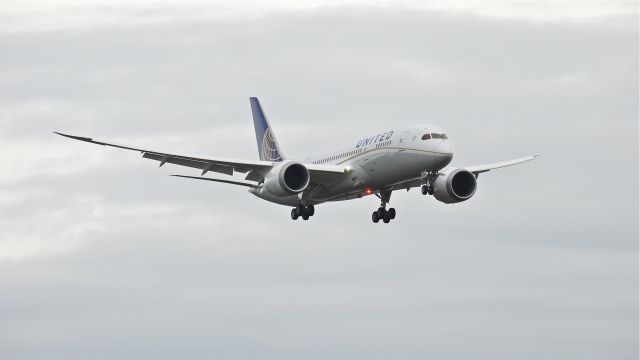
(102, 255)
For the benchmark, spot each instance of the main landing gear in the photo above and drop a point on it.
(302, 211)
(382, 213)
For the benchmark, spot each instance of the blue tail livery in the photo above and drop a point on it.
(268, 147)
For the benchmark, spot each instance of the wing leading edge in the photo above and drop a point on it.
(487, 167)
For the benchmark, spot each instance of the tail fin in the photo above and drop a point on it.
(268, 147)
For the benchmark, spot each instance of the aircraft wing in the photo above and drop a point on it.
(320, 174)
(419, 181)
(484, 168)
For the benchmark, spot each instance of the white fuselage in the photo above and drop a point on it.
(377, 162)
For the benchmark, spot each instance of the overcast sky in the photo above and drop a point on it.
(104, 256)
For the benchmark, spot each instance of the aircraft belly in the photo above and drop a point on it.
(381, 171)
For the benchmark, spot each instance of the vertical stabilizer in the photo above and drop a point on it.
(268, 147)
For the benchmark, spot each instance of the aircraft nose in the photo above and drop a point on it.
(446, 147)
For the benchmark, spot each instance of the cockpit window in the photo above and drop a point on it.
(439, 136)
(426, 136)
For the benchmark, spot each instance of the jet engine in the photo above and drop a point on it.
(289, 178)
(455, 186)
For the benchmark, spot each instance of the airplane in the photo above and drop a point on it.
(377, 164)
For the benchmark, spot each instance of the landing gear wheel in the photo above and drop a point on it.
(382, 213)
(301, 211)
(392, 213)
(427, 189)
(386, 217)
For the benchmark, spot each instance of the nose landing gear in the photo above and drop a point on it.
(382, 213)
(427, 189)
(302, 211)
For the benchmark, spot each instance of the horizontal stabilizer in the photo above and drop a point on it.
(219, 180)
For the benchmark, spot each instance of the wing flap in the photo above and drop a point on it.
(205, 166)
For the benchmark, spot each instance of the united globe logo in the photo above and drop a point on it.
(270, 151)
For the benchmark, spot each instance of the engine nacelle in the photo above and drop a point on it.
(455, 186)
(289, 178)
